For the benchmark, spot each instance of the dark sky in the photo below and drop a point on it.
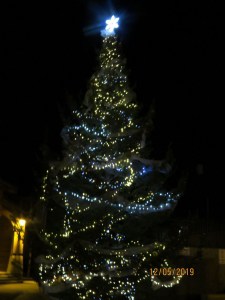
(174, 56)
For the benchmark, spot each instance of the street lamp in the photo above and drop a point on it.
(22, 222)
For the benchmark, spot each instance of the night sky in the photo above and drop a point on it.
(174, 59)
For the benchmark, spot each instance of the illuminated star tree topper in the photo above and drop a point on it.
(111, 24)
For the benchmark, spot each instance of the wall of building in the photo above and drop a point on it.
(209, 266)
(12, 242)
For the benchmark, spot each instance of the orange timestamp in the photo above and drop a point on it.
(168, 271)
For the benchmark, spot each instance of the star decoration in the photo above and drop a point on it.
(111, 25)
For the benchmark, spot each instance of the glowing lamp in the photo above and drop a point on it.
(22, 222)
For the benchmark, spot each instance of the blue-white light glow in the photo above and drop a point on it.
(111, 24)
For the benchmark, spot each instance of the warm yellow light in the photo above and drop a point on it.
(22, 222)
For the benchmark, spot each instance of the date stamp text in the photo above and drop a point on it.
(172, 271)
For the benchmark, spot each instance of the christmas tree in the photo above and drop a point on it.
(103, 197)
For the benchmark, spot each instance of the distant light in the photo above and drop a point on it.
(22, 222)
(111, 25)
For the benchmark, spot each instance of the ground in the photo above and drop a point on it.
(28, 290)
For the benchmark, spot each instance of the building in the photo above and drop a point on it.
(205, 252)
(12, 225)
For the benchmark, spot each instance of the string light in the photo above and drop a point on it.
(92, 188)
